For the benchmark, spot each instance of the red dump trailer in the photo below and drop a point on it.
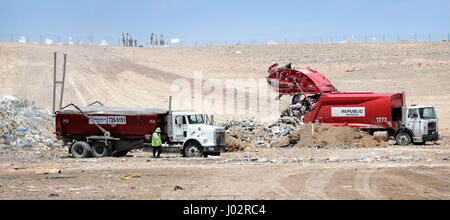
(108, 131)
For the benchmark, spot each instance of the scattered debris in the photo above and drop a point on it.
(177, 188)
(351, 70)
(48, 171)
(53, 195)
(129, 177)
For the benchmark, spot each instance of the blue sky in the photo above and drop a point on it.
(222, 20)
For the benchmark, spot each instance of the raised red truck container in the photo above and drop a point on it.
(366, 111)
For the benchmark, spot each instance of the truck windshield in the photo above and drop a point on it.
(427, 113)
(196, 119)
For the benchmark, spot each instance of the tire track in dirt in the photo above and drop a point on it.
(420, 189)
(316, 184)
(276, 183)
(435, 176)
(79, 95)
(365, 188)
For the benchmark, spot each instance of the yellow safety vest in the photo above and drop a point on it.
(156, 140)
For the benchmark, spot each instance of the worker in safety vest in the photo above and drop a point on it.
(157, 142)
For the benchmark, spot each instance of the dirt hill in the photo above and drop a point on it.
(142, 77)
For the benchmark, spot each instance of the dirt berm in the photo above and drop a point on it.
(235, 145)
(330, 136)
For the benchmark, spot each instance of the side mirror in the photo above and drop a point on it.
(211, 121)
(179, 121)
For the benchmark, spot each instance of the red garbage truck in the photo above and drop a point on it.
(315, 100)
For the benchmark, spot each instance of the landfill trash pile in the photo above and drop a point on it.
(261, 134)
(23, 127)
(323, 136)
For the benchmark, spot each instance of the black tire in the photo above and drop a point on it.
(420, 143)
(212, 154)
(80, 150)
(403, 139)
(99, 149)
(193, 149)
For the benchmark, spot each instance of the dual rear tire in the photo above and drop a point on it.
(82, 149)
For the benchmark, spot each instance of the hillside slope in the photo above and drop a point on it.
(142, 77)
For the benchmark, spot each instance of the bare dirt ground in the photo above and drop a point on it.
(415, 172)
(141, 77)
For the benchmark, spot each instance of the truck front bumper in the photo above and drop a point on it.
(214, 149)
(431, 137)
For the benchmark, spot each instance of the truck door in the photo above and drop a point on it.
(412, 121)
(179, 128)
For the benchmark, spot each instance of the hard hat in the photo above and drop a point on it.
(158, 130)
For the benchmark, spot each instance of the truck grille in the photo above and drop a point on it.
(219, 137)
(431, 128)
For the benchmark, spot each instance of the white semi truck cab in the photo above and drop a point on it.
(195, 133)
(420, 124)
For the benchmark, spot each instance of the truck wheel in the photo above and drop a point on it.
(403, 139)
(99, 149)
(193, 149)
(81, 150)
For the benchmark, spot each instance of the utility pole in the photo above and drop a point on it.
(58, 82)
